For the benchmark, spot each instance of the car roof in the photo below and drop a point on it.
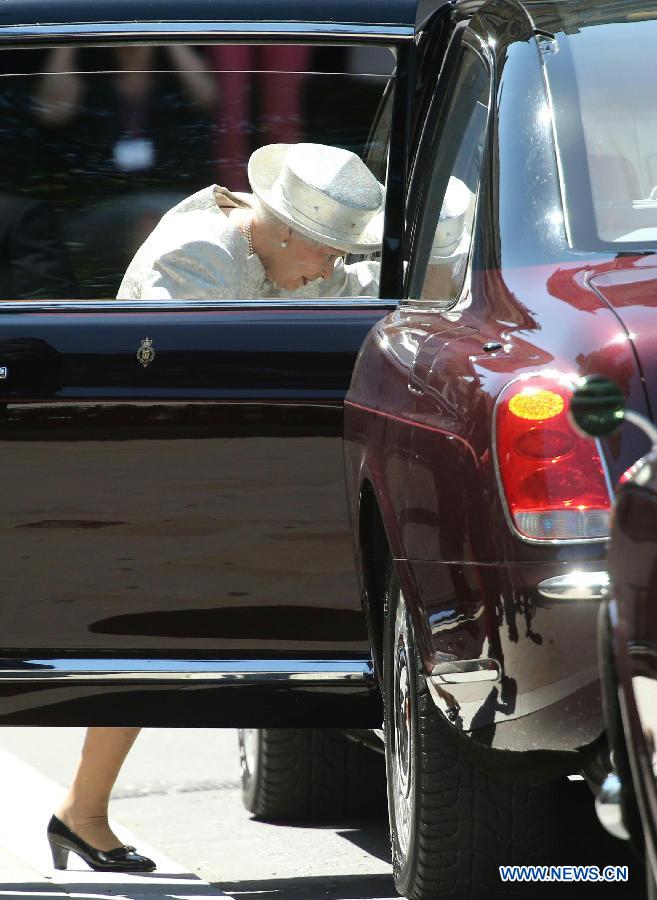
(402, 14)
(571, 15)
(279, 17)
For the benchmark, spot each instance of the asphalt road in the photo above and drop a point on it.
(178, 800)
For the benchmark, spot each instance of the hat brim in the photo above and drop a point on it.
(265, 166)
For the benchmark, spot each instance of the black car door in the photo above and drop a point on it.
(172, 479)
(173, 498)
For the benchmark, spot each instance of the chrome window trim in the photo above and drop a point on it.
(454, 305)
(556, 146)
(102, 306)
(184, 671)
(203, 30)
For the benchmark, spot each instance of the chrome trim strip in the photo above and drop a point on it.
(575, 586)
(45, 306)
(184, 671)
(465, 671)
(204, 30)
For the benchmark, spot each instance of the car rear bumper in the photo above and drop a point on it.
(510, 651)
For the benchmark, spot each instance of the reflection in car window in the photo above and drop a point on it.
(108, 139)
(455, 180)
(378, 143)
(603, 82)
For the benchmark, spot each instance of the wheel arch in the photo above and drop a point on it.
(377, 552)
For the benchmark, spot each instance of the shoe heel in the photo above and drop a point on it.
(59, 856)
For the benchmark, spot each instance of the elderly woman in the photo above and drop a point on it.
(311, 204)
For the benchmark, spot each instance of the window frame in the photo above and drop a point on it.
(399, 40)
(431, 147)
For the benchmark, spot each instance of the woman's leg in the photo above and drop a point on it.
(84, 809)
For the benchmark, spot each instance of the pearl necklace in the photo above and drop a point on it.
(246, 231)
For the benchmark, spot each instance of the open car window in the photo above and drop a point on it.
(97, 143)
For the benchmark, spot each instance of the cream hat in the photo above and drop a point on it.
(326, 193)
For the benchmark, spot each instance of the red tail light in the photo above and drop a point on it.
(553, 480)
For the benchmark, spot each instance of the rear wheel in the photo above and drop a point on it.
(452, 823)
(291, 774)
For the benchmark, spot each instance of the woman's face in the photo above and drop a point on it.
(300, 262)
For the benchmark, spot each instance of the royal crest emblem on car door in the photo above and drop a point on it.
(146, 353)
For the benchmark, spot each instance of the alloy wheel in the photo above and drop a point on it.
(402, 726)
(248, 738)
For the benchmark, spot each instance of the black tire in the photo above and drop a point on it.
(616, 731)
(452, 823)
(316, 775)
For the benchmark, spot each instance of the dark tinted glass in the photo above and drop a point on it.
(97, 143)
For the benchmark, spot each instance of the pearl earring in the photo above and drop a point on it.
(283, 243)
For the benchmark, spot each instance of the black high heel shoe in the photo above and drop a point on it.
(121, 859)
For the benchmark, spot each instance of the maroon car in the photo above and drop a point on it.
(630, 654)
(627, 803)
(481, 517)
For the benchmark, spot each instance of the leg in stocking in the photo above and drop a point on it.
(84, 809)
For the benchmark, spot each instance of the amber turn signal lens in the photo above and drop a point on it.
(536, 404)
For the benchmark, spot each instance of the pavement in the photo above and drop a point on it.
(26, 869)
(178, 800)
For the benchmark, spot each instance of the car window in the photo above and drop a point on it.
(97, 143)
(454, 173)
(376, 157)
(603, 84)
